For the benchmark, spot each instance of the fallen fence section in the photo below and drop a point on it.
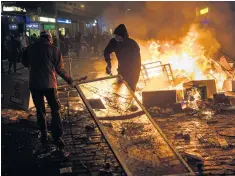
(136, 140)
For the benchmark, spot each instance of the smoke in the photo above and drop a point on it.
(162, 20)
(172, 21)
(223, 24)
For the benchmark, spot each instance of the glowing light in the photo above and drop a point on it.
(45, 19)
(61, 20)
(204, 11)
(13, 9)
(82, 5)
(187, 59)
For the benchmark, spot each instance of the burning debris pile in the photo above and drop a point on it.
(188, 59)
(190, 69)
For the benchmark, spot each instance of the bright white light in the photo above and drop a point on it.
(13, 9)
(94, 24)
(45, 19)
(95, 21)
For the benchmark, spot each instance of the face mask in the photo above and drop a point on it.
(118, 39)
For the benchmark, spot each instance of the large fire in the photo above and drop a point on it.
(187, 58)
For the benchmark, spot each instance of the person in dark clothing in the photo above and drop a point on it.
(128, 55)
(33, 39)
(13, 50)
(96, 41)
(62, 43)
(66, 47)
(44, 61)
(55, 40)
(78, 43)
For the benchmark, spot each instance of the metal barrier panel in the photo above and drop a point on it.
(136, 140)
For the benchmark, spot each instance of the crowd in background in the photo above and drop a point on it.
(84, 45)
(88, 45)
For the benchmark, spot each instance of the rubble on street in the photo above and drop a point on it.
(89, 152)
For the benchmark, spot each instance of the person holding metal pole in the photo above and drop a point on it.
(45, 61)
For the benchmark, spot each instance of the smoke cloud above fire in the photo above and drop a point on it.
(172, 21)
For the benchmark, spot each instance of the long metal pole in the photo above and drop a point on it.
(70, 65)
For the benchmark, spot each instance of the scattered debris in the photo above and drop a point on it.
(66, 170)
(107, 165)
(201, 138)
(211, 121)
(90, 127)
(107, 124)
(212, 141)
(157, 111)
(193, 155)
(179, 134)
(186, 136)
(221, 99)
(230, 132)
(223, 143)
(104, 172)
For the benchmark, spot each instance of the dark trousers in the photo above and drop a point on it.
(10, 65)
(54, 103)
(78, 47)
(131, 79)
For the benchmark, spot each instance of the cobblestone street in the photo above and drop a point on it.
(205, 140)
(211, 141)
(117, 88)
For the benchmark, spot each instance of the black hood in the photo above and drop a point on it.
(121, 31)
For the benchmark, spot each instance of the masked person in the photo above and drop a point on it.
(44, 61)
(128, 55)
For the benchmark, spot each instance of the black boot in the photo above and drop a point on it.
(59, 143)
(44, 139)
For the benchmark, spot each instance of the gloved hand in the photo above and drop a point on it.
(108, 70)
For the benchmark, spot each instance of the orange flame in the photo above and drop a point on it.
(187, 58)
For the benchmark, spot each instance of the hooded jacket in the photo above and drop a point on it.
(44, 61)
(127, 53)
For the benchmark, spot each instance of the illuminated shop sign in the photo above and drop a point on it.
(13, 9)
(32, 18)
(49, 26)
(32, 26)
(13, 19)
(45, 19)
(61, 20)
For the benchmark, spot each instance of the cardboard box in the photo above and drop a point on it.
(229, 85)
(161, 98)
(15, 93)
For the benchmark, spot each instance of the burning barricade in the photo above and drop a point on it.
(184, 67)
